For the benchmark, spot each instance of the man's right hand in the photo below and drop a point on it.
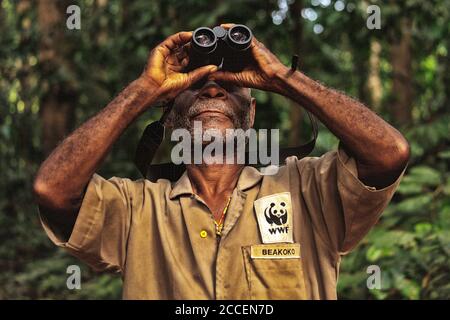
(165, 64)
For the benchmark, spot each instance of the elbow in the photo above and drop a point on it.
(41, 191)
(399, 156)
(404, 152)
(46, 196)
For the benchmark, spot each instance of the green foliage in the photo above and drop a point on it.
(411, 242)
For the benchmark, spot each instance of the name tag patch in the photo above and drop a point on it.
(274, 215)
(276, 251)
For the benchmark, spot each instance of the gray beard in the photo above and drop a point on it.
(240, 118)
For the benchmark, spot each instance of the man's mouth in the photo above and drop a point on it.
(210, 109)
(209, 113)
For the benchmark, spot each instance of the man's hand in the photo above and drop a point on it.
(165, 64)
(262, 73)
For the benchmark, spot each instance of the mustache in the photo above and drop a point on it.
(203, 105)
(182, 117)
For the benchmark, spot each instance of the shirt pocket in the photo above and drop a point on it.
(274, 271)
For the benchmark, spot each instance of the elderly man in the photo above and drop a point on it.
(222, 231)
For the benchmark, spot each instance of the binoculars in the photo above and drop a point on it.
(225, 48)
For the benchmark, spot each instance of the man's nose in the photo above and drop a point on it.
(212, 90)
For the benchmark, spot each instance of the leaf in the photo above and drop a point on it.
(424, 175)
(417, 204)
(407, 287)
(423, 228)
(374, 253)
(444, 154)
(408, 187)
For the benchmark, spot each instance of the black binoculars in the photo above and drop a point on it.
(219, 46)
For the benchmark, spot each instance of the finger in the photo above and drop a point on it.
(256, 44)
(181, 54)
(199, 73)
(227, 25)
(187, 47)
(179, 66)
(178, 39)
(174, 43)
(224, 76)
(172, 60)
(184, 62)
(241, 79)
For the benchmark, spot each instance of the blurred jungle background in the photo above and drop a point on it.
(52, 79)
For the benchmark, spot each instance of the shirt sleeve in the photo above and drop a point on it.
(342, 209)
(99, 236)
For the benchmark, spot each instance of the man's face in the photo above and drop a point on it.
(217, 105)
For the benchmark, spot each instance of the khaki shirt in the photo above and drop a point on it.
(161, 237)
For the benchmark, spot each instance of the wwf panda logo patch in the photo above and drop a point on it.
(274, 214)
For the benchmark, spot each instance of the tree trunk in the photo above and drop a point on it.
(296, 113)
(374, 82)
(402, 85)
(56, 109)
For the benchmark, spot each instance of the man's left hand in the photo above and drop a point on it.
(264, 71)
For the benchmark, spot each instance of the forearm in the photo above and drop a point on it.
(376, 145)
(61, 180)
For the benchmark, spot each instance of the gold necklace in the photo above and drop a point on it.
(219, 225)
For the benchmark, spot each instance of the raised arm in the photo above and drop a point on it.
(60, 182)
(381, 152)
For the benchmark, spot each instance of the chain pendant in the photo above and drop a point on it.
(219, 225)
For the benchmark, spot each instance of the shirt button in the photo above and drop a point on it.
(203, 234)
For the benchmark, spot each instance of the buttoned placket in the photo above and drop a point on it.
(221, 281)
(201, 233)
(235, 209)
(222, 256)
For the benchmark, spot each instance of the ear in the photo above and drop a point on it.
(252, 111)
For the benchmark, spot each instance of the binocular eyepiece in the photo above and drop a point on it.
(225, 48)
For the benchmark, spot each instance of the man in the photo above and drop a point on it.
(222, 231)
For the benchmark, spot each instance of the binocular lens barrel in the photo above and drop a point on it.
(204, 40)
(239, 37)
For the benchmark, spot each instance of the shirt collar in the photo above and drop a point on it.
(248, 178)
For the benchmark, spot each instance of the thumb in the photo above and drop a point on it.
(201, 72)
